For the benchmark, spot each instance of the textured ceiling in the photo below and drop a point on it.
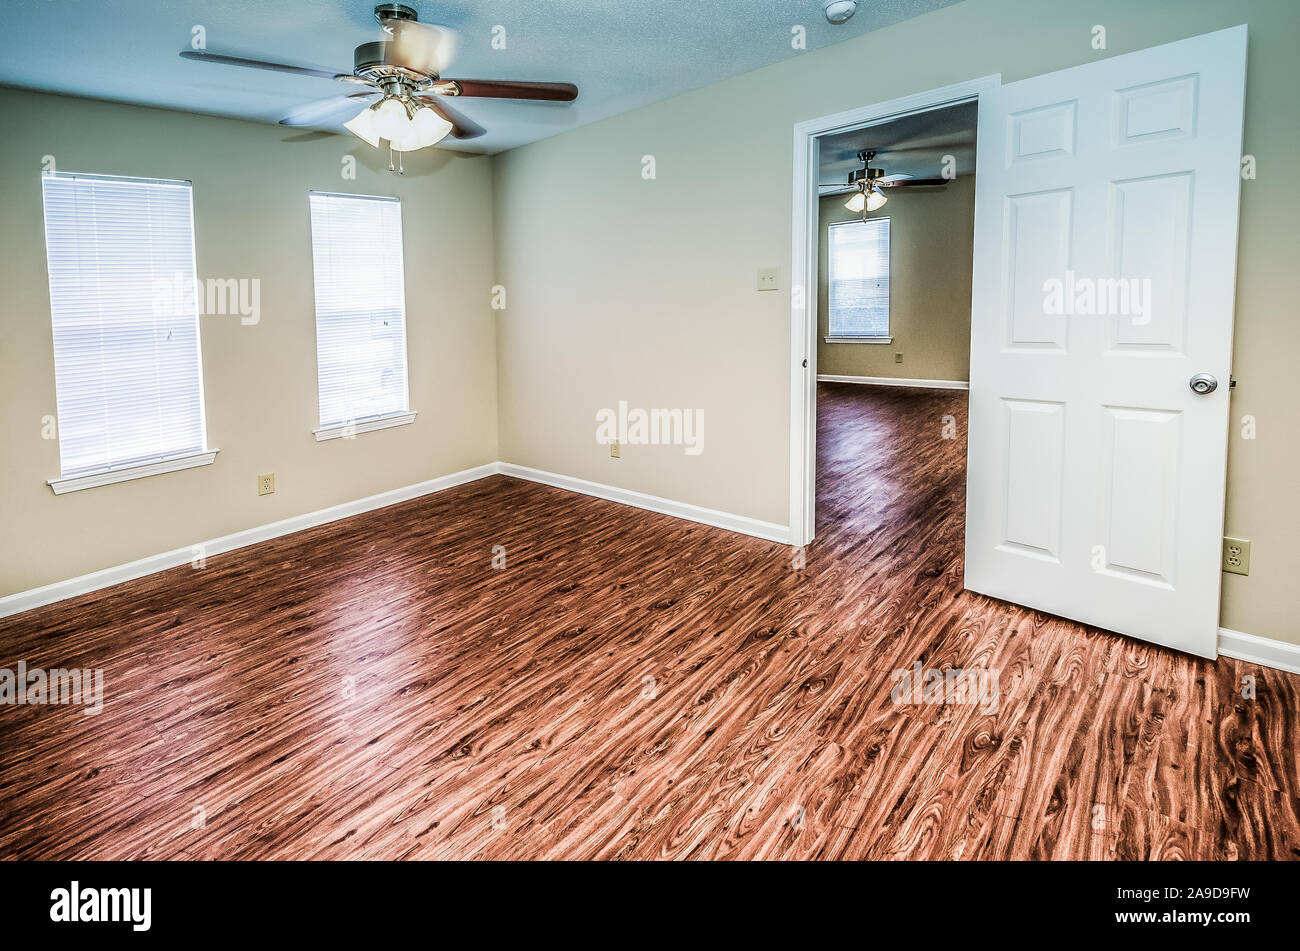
(913, 145)
(621, 53)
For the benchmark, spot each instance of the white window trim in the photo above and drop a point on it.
(344, 430)
(123, 473)
(90, 480)
(889, 297)
(350, 428)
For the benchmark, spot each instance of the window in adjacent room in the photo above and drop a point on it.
(356, 245)
(124, 310)
(858, 292)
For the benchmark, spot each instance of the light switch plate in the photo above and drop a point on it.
(769, 278)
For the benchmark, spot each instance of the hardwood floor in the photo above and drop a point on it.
(634, 686)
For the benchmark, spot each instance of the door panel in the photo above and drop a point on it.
(1106, 241)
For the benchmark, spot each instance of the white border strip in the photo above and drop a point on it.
(894, 381)
(653, 503)
(59, 590)
(1265, 651)
(126, 473)
(71, 588)
(344, 430)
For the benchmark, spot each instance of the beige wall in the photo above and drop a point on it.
(623, 288)
(931, 235)
(251, 220)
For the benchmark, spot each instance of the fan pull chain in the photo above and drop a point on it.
(390, 158)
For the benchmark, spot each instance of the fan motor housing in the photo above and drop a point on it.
(867, 174)
(374, 61)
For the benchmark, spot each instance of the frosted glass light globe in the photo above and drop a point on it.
(391, 120)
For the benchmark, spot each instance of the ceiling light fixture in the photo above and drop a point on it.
(866, 198)
(363, 127)
(406, 125)
(840, 11)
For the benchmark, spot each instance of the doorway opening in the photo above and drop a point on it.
(895, 249)
(886, 272)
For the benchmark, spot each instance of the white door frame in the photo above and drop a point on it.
(803, 275)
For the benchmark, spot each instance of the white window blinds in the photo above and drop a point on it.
(859, 278)
(125, 317)
(356, 246)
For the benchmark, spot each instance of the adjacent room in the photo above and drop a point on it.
(895, 220)
(829, 431)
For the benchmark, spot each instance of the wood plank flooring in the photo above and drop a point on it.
(634, 686)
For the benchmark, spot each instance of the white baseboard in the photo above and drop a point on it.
(893, 381)
(1236, 644)
(1264, 651)
(695, 513)
(59, 590)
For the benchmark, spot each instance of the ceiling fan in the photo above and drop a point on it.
(867, 184)
(405, 99)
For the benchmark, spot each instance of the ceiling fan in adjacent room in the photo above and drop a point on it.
(868, 184)
(405, 99)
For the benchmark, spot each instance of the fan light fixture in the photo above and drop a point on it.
(406, 125)
(405, 70)
(866, 199)
(363, 127)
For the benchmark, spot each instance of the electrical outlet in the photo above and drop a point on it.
(898, 358)
(266, 483)
(1236, 556)
(615, 450)
(768, 279)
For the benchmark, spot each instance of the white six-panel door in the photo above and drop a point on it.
(1096, 473)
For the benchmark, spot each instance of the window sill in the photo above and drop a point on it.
(126, 473)
(863, 339)
(348, 430)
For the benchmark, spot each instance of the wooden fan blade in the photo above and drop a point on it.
(462, 127)
(928, 182)
(314, 113)
(208, 56)
(504, 89)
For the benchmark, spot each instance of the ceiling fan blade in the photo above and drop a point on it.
(422, 47)
(462, 127)
(207, 56)
(507, 89)
(314, 113)
(926, 182)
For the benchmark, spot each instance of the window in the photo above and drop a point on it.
(124, 310)
(858, 295)
(356, 244)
